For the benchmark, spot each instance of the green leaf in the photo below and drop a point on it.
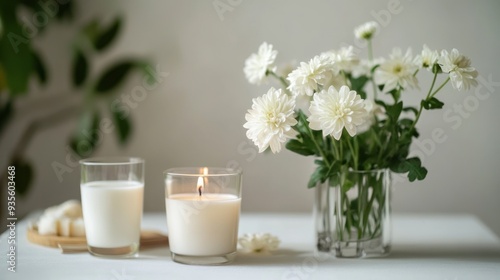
(436, 68)
(91, 30)
(405, 125)
(358, 84)
(5, 114)
(150, 75)
(298, 147)
(65, 10)
(40, 70)
(307, 137)
(80, 68)
(406, 122)
(15, 50)
(122, 122)
(319, 174)
(394, 111)
(105, 38)
(346, 185)
(113, 76)
(410, 109)
(414, 168)
(302, 125)
(396, 94)
(24, 175)
(432, 104)
(85, 139)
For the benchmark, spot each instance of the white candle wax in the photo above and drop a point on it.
(204, 225)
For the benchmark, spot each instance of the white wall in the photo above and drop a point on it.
(195, 115)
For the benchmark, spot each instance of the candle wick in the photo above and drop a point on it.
(199, 190)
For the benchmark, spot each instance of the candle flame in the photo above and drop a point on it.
(205, 170)
(200, 185)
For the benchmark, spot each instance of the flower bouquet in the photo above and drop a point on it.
(348, 113)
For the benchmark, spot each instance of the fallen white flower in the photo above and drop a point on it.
(258, 242)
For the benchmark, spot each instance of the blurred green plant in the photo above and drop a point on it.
(21, 62)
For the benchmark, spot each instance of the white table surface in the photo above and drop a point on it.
(424, 247)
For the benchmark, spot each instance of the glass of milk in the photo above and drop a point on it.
(203, 210)
(112, 191)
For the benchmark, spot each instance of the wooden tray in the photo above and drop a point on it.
(148, 238)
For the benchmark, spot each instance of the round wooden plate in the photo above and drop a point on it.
(148, 238)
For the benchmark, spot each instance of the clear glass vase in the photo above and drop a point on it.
(353, 214)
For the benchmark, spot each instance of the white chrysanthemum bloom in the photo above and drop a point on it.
(462, 75)
(308, 77)
(270, 120)
(332, 110)
(397, 71)
(365, 66)
(366, 30)
(336, 80)
(346, 59)
(427, 58)
(373, 110)
(258, 242)
(331, 55)
(258, 63)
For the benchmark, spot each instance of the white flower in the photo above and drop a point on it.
(270, 120)
(333, 110)
(373, 110)
(257, 64)
(427, 58)
(462, 75)
(346, 59)
(366, 30)
(397, 71)
(336, 80)
(308, 77)
(258, 242)
(364, 67)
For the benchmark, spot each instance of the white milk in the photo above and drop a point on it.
(112, 212)
(206, 226)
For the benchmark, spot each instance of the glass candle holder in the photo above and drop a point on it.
(203, 210)
(112, 191)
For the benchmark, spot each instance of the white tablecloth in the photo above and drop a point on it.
(424, 247)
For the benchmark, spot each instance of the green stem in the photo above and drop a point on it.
(375, 89)
(375, 136)
(341, 151)
(282, 80)
(320, 150)
(440, 87)
(354, 154)
(370, 58)
(366, 214)
(429, 95)
(383, 148)
(432, 86)
(370, 50)
(348, 213)
(336, 149)
(346, 81)
(378, 215)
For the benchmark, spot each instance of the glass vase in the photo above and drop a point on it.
(353, 214)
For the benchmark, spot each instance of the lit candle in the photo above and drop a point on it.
(203, 218)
